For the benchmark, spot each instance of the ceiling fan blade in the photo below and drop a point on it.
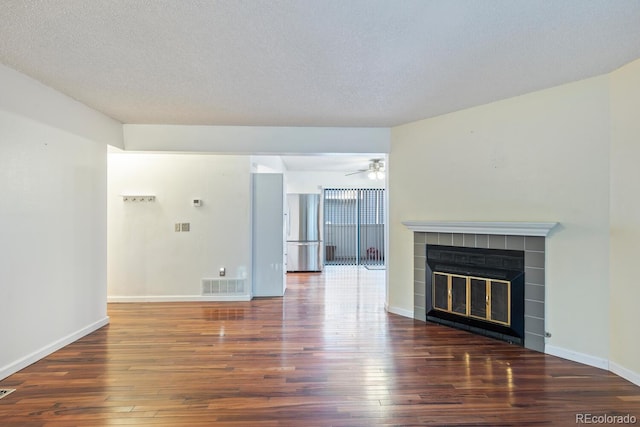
(357, 172)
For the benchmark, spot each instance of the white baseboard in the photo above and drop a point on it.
(597, 362)
(625, 373)
(16, 366)
(399, 311)
(178, 298)
(585, 359)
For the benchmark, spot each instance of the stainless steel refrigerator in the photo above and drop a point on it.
(304, 232)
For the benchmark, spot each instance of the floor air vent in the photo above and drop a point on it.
(6, 391)
(223, 286)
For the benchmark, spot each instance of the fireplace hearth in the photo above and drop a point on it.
(477, 289)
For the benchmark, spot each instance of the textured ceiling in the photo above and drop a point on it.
(310, 62)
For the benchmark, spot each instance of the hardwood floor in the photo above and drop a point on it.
(327, 354)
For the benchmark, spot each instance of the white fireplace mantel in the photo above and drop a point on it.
(483, 227)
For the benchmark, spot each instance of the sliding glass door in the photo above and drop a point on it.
(354, 226)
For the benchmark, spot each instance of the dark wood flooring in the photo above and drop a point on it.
(327, 354)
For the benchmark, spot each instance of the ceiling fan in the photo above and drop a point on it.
(375, 170)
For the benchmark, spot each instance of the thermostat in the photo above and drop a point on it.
(197, 202)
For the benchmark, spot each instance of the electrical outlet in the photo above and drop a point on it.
(185, 226)
(177, 227)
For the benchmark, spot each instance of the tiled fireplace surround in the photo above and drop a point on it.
(515, 236)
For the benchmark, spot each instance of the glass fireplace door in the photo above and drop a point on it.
(477, 297)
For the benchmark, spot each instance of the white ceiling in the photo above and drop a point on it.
(308, 62)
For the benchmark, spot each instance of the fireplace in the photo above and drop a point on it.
(476, 289)
(529, 237)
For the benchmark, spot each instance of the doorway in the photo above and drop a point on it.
(354, 226)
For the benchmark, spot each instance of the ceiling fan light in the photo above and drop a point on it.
(380, 175)
(371, 175)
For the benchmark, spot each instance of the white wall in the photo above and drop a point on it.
(148, 260)
(625, 221)
(314, 182)
(267, 164)
(538, 157)
(53, 205)
(24, 96)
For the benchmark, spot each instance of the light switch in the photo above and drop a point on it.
(185, 226)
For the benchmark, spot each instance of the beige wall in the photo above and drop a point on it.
(538, 157)
(625, 218)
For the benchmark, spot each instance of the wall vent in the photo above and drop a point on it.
(223, 286)
(6, 391)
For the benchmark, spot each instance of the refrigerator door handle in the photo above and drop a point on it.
(288, 223)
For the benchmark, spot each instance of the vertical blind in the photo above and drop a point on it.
(354, 226)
